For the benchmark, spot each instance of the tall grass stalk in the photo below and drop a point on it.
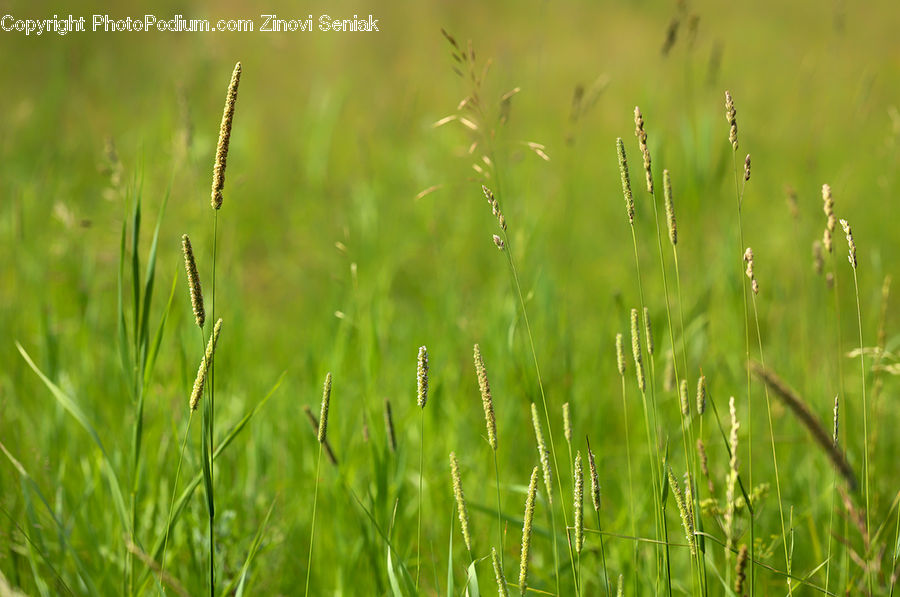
(620, 361)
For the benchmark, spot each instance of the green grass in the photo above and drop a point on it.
(328, 257)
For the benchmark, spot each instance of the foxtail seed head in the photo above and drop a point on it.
(648, 331)
(732, 477)
(740, 571)
(748, 259)
(486, 399)
(626, 182)
(460, 501)
(224, 138)
(502, 587)
(834, 435)
(595, 479)
(850, 244)
(620, 355)
(701, 395)
(205, 363)
(670, 208)
(578, 495)
(731, 117)
(567, 423)
(190, 265)
(542, 452)
(326, 399)
(747, 168)
(526, 531)
(645, 152)
(422, 377)
(683, 394)
(636, 350)
(687, 520)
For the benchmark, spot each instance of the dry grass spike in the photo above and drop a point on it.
(190, 265)
(850, 243)
(636, 350)
(641, 135)
(567, 423)
(747, 168)
(731, 117)
(687, 520)
(595, 478)
(648, 331)
(543, 453)
(670, 208)
(224, 138)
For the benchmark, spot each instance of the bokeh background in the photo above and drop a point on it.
(332, 259)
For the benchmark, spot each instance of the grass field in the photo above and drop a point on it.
(354, 229)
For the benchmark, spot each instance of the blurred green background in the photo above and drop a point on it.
(331, 260)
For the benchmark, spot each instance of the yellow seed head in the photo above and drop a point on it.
(422, 377)
(595, 479)
(460, 500)
(683, 394)
(224, 138)
(626, 182)
(648, 331)
(747, 168)
(687, 520)
(567, 423)
(526, 531)
(323, 417)
(486, 399)
(190, 265)
(701, 395)
(205, 363)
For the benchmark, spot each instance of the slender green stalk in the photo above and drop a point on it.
(162, 562)
(312, 531)
(499, 511)
(419, 520)
(210, 428)
(630, 481)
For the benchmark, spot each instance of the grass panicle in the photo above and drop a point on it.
(578, 497)
(543, 452)
(731, 117)
(460, 501)
(487, 399)
(636, 351)
(670, 208)
(422, 377)
(527, 530)
(502, 587)
(626, 181)
(205, 364)
(323, 416)
(687, 519)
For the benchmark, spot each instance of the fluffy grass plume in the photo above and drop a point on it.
(190, 266)
(502, 587)
(526, 531)
(636, 350)
(422, 377)
(626, 181)
(225, 138)
(543, 452)
(460, 501)
(578, 496)
(205, 363)
(487, 399)
(323, 416)
(803, 413)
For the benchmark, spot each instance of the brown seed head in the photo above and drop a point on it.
(731, 117)
(747, 168)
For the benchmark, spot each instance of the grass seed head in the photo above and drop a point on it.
(740, 571)
(224, 138)
(567, 423)
(526, 531)
(422, 377)
(502, 587)
(747, 168)
(498, 242)
(731, 117)
(683, 394)
(636, 350)
(687, 520)
(460, 501)
(645, 152)
(205, 363)
(670, 208)
(701, 395)
(190, 265)
(323, 418)
(850, 244)
(835, 427)
(543, 452)
(648, 331)
(595, 479)
(486, 399)
(578, 495)
(626, 181)
(620, 355)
